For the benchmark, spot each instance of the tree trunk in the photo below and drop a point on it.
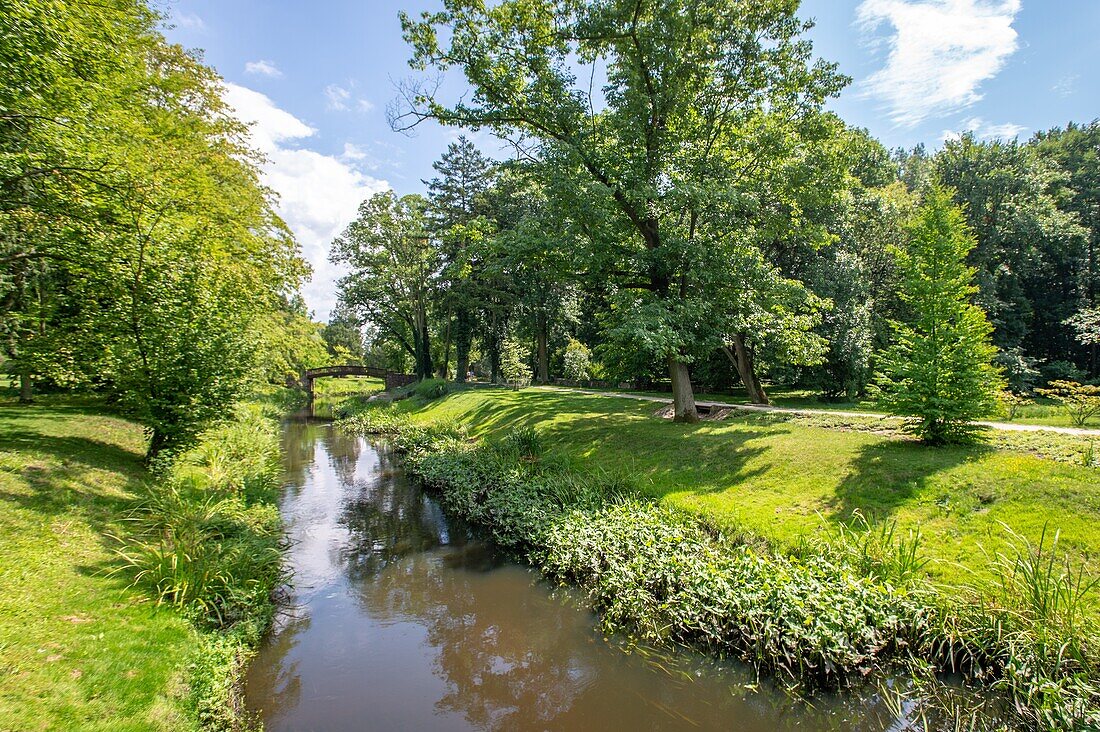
(543, 351)
(742, 358)
(424, 358)
(463, 333)
(494, 350)
(441, 372)
(26, 386)
(683, 398)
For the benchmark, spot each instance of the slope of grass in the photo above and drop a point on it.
(78, 648)
(784, 479)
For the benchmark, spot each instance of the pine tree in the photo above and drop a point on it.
(939, 368)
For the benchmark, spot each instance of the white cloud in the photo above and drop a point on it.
(318, 194)
(985, 130)
(940, 52)
(337, 97)
(340, 99)
(353, 152)
(1066, 86)
(189, 21)
(263, 68)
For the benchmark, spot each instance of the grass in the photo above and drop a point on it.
(1044, 412)
(785, 478)
(329, 392)
(841, 604)
(79, 649)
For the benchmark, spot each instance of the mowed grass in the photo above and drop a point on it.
(79, 650)
(776, 477)
(329, 392)
(1041, 411)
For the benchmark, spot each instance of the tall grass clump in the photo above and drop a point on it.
(207, 539)
(850, 602)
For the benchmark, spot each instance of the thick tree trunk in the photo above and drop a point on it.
(542, 337)
(26, 387)
(742, 359)
(463, 333)
(683, 397)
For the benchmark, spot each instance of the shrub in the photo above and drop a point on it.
(429, 389)
(1011, 403)
(207, 536)
(1080, 401)
(577, 361)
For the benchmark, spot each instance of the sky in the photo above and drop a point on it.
(315, 79)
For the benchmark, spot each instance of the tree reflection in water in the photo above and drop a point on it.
(405, 622)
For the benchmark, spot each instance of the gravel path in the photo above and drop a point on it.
(1008, 426)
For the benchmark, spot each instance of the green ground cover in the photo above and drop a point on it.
(784, 478)
(130, 599)
(329, 392)
(79, 649)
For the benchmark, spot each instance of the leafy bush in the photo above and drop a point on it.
(842, 605)
(1080, 401)
(429, 389)
(207, 536)
(577, 361)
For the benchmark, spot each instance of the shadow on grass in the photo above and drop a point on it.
(887, 475)
(625, 439)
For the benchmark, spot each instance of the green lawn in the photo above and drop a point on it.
(784, 477)
(1043, 411)
(78, 649)
(329, 392)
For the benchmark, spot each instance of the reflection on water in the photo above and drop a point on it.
(401, 620)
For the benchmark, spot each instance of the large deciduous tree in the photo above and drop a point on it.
(394, 265)
(699, 95)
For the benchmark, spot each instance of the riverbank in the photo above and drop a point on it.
(82, 646)
(995, 615)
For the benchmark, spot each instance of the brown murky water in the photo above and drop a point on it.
(400, 620)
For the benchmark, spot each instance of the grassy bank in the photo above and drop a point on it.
(834, 608)
(81, 645)
(784, 478)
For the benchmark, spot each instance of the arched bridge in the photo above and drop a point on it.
(392, 379)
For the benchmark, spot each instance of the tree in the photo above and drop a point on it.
(700, 94)
(939, 368)
(129, 196)
(394, 264)
(343, 336)
(458, 214)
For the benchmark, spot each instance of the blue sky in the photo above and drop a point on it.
(316, 77)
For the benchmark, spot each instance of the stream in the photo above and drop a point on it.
(401, 619)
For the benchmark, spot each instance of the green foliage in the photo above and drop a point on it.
(939, 368)
(1012, 403)
(840, 607)
(1080, 401)
(207, 537)
(429, 389)
(578, 361)
(514, 366)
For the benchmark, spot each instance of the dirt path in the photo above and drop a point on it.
(1007, 426)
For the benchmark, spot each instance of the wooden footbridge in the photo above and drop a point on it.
(391, 379)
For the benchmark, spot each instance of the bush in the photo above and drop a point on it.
(1080, 401)
(207, 536)
(429, 389)
(577, 361)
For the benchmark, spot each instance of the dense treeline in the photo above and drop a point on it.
(700, 219)
(142, 256)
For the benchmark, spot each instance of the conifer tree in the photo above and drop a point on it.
(939, 368)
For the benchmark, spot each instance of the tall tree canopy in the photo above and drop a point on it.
(702, 99)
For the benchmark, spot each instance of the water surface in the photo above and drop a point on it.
(401, 620)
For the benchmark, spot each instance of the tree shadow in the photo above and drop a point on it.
(628, 440)
(887, 475)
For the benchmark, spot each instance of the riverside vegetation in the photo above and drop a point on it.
(822, 611)
(131, 596)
